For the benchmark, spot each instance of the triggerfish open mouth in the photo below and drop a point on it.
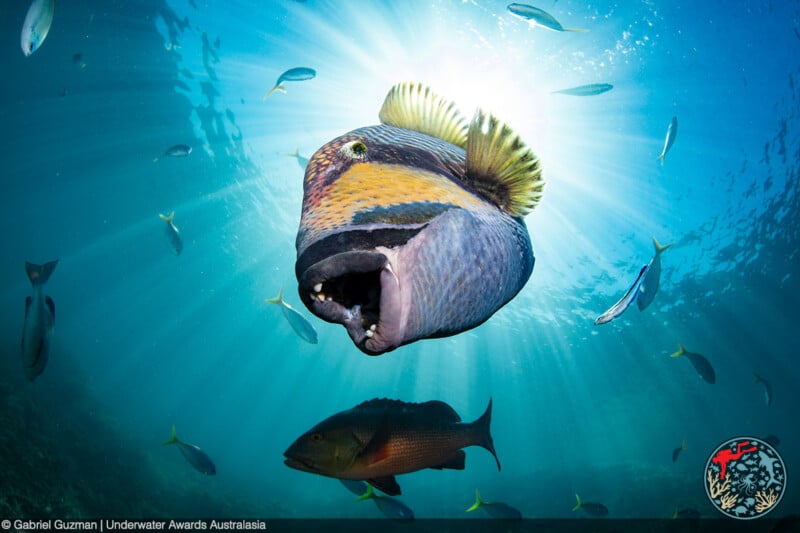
(413, 229)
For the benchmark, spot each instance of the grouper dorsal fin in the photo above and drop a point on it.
(413, 106)
(501, 167)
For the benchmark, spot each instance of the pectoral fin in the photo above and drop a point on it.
(51, 305)
(387, 484)
(377, 449)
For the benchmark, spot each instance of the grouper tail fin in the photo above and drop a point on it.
(278, 300)
(483, 432)
(478, 502)
(500, 167)
(39, 274)
(173, 439)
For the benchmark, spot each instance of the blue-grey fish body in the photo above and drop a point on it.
(40, 316)
(622, 304)
(293, 74)
(669, 140)
(196, 457)
(173, 235)
(586, 90)
(359, 488)
(414, 229)
(767, 388)
(676, 452)
(37, 25)
(650, 283)
(539, 17)
(701, 365)
(390, 507)
(591, 508)
(499, 510)
(299, 324)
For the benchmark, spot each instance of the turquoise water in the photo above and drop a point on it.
(145, 339)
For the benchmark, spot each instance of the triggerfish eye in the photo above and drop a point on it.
(354, 150)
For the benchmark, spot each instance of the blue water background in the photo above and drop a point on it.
(145, 339)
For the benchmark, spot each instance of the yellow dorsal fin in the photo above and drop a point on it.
(501, 167)
(413, 106)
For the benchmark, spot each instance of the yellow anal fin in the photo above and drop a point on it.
(413, 106)
(501, 167)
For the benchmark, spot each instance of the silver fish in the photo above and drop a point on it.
(672, 132)
(650, 283)
(586, 90)
(173, 234)
(498, 510)
(293, 74)
(196, 457)
(300, 325)
(37, 25)
(618, 308)
(767, 388)
(539, 17)
(40, 317)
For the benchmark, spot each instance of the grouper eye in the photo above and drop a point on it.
(316, 437)
(354, 150)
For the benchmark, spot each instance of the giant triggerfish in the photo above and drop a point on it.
(414, 228)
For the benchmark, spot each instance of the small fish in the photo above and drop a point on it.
(40, 317)
(498, 510)
(767, 388)
(77, 59)
(586, 90)
(356, 487)
(672, 131)
(300, 325)
(677, 451)
(539, 17)
(686, 513)
(390, 507)
(178, 150)
(414, 228)
(700, 363)
(772, 440)
(622, 304)
(193, 454)
(37, 24)
(379, 439)
(591, 508)
(302, 161)
(173, 234)
(293, 74)
(217, 42)
(650, 283)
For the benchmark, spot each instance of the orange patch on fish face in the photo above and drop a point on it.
(368, 185)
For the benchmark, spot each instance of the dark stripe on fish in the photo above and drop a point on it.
(347, 241)
(410, 213)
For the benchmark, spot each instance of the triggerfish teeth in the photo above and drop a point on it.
(413, 229)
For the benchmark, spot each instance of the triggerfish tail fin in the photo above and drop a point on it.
(167, 218)
(478, 502)
(173, 439)
(483, 432)
(660, 247)
(278, 300)
(39, 274)
(278, 87)
(500, 167)
(680, 352)
(367, 495)
(576, 30)
(580, 503)
(413, 106)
